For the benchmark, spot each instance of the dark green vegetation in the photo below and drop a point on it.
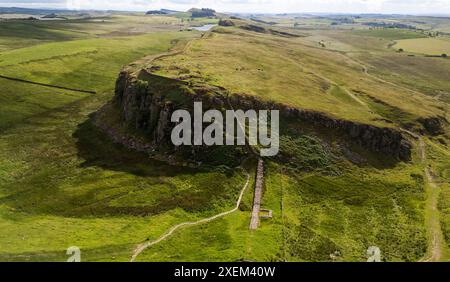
(349, 212)
(389, 34)
(20, 100)
(203, 12)
(64, 183)
(60, 178)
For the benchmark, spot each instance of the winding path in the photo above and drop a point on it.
(434, 225)
(434, 253)
(140, 248)
(434, 249)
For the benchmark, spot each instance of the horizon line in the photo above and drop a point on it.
(234, 12)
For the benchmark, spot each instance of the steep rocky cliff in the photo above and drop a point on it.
(146, 102)
(144, 106)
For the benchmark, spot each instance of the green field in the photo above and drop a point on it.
(95, 209)
(291, 73)
(427, 46)
(390, 34)
(90, 64)
(64, 183)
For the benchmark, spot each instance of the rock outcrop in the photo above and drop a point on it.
(146, 102)
(384, 140)
(143, 107)
(255, 28)
(433, 125)
(225, 22)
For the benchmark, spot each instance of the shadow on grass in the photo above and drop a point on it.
(109, 252)
(97, 149)
(210, 189)
(113, 181)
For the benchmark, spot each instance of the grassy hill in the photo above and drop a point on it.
(73, 161)
(288, 71)
(64, 183)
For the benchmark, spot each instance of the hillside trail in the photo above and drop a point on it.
(331, 82)
(148, 60)
(434, 248)
(140, 248)
(432, 201)
(176, 50)
(433, 220)
(434, 252)
(365, 70)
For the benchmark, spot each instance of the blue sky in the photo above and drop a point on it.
(251, 6)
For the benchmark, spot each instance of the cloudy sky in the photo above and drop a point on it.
(251, 6)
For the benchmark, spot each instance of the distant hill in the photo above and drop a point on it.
(202, 13)
(169, 11)
(50, 16)
(15, 10)
(156, 12)
(161, 12)
(55, 16)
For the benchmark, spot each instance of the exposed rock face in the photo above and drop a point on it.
(226, 23)
(434, 125)
(145, 110)
(283, 33)
(255, 28)
(384, 140)
(260, 29)
(148, 109)
(164, 127)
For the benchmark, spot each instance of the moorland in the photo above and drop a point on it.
(364, 158)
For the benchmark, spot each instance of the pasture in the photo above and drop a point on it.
(58, 185)
(64, 183)
(427, 46)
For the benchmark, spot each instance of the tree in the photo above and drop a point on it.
(203, 12)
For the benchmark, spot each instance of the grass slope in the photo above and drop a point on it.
(63, 183)
(287, 71)
(428, 46)
(58, 184)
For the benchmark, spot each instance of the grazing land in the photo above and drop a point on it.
(428, 46)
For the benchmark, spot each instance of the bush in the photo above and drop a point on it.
(305, 153)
